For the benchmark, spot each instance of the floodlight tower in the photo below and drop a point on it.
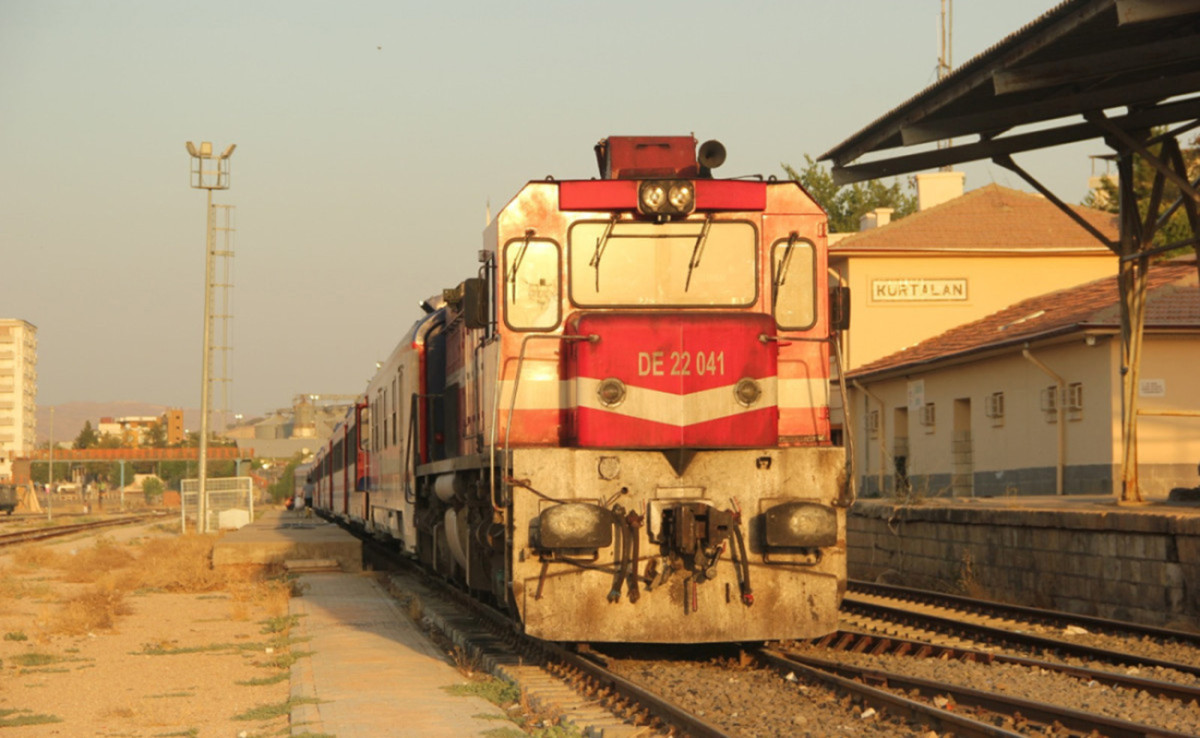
(208, 173)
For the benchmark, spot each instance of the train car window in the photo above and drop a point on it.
(532, 286)
(793, 276)
(395, 406)
(339, 457)
(695, 263)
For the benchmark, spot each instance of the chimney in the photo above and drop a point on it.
(877, 218)
(935, 188)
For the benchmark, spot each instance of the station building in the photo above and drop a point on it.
(18, 391)
(1027, 400)
(959, 258)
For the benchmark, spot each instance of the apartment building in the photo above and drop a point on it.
(18, 391)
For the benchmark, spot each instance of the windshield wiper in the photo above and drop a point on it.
(516, 264)
(697, 252)
(784, 262)
(599, 252)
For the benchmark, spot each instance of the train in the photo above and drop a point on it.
(618, 429)
(8, 498)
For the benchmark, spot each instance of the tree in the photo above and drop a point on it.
(285, 485)
(1107, 196)
(88, 437)
(152, 488)
(156, 436)
(845, 204)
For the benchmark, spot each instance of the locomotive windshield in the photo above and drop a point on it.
(634, 264)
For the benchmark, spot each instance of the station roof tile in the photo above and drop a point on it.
(989, 218)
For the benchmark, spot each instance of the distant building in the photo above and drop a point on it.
(18, 391)
(303, 427)
(173, 419)
(1028, 400)
(132, 429)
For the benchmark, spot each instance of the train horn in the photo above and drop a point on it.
(712, 154)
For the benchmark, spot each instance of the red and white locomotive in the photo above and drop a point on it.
(619, 429)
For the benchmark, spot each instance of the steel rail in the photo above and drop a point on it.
(990, 633)
(913, 710)
(1044, 714)
(876, 645)
(1020, 612)
(41, 534)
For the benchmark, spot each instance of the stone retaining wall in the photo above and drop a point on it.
(1136, 565)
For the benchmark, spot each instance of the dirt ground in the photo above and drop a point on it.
(130, 634)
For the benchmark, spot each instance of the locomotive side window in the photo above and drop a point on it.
(532, 288)
(793, 266)
(695, 263)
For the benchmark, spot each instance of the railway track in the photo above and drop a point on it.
(41, 534)
(941, 703)
(951, 620)
(556, 679)
(878, 697)
(869, 591)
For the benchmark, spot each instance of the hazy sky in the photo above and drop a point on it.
(371, 136)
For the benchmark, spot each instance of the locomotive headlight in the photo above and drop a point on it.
(681, 196)
(653, 196)
(800, 525)
(666, 198)
(747, 391)
(611, 392)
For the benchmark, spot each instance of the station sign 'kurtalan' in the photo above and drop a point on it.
(918, 290)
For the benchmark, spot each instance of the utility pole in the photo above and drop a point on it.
(945, 65)
(204, 176)
(50, 475)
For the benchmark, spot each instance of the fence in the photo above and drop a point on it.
(230, 502)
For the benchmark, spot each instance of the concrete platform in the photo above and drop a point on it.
(1077, 553)
(371, 672)
(280, 536)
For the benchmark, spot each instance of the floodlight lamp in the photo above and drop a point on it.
(229, 151)
(191, 147)
(206, 149)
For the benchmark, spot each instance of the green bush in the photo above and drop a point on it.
(153, 489)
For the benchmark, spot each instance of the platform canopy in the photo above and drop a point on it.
(1125, 71)
(1040, 87)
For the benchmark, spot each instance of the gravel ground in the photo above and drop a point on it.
(173, 664)
(753, 702)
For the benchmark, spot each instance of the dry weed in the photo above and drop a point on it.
(90, 564)
(968, 579)
(36, 557)
(181, 564)
(270, 596)
(95, 609)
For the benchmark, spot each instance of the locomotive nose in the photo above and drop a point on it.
(674, 380)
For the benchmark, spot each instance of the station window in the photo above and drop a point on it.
(532, 284)
(929, 417)
(873, 424)
(1049, 403)
(1075, 401)
(995, 408)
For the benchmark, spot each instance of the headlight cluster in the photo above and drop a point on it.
(666, 198)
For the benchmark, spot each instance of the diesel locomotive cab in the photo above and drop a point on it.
(672, 322)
